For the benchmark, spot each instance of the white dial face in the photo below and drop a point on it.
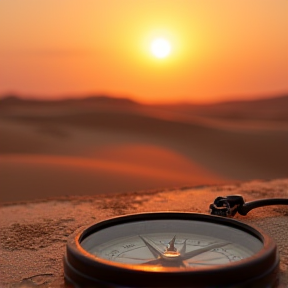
(172, 243)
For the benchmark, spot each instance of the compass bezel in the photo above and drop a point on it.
(85, 269)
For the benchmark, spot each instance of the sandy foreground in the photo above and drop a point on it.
(34, 233)
(90, 147)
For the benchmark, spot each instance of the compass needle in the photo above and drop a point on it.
(135, 258)
(152, 262)
(206, 261)
(197, 252)
(171, 246)
(183, 249)
(152, 246)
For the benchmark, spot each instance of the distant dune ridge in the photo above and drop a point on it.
(107, 145)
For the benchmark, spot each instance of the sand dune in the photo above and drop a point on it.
(90, 147)
(41, 176)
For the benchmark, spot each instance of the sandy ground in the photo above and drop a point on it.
(90, 147)
(34, 233)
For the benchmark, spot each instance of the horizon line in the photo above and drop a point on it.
(90, 96)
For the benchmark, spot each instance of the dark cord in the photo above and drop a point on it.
(244, 209)
(228, 206)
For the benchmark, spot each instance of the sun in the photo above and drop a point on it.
(160, 47)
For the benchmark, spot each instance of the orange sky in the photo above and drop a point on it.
(221, 49)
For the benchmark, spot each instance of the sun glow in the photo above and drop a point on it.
(160, 47)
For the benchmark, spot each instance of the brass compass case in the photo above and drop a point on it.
(171, 249)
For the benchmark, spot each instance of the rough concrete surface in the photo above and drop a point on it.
(33, 234)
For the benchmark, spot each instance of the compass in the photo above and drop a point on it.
(171, 249)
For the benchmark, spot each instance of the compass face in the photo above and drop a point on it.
(169, 243)
(170, 250)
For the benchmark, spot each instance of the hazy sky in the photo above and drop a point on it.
(220, 49)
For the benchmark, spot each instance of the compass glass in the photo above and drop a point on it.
(172, 243)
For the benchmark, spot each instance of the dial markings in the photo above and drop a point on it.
(159, 250)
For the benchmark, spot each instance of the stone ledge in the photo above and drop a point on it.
(33, 234)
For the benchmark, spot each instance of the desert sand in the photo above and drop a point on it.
(34, 233)
(104, 145)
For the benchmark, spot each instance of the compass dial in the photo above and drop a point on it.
(176, 248)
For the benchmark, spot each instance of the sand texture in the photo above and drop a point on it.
(33, 234)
